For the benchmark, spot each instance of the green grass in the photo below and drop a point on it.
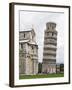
(41, 76)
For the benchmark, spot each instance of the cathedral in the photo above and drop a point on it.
(28, 53)
(50, 47)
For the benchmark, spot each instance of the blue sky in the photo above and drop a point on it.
(38, 21)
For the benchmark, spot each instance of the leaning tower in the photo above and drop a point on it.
(50, 47)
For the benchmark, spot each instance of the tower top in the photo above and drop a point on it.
(50, 25)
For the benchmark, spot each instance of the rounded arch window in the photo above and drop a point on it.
(52, 34)
(24, 35)
(52, 27)
(48, 27)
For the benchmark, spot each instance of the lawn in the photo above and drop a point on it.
(41, 76)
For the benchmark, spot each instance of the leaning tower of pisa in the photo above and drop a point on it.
(50, 47)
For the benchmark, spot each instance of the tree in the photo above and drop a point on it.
(39, 67)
